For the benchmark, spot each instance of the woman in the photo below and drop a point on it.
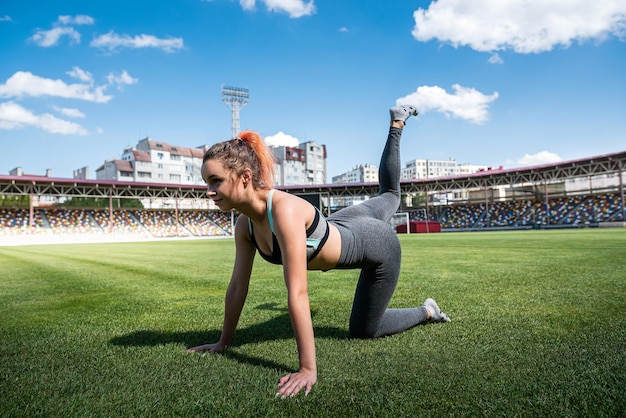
(288, 230)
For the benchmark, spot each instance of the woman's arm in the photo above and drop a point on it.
(237, 288)
(290, 215)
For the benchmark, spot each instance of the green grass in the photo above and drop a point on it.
(538, 329)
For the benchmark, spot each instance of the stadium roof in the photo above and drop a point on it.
(537, 175)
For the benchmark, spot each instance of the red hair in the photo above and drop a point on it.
(248, 150)
(264, 155)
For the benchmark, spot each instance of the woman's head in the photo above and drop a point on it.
(247, 151)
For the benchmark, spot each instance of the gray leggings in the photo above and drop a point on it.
(370, 243)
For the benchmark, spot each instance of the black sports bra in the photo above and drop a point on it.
(316, 234)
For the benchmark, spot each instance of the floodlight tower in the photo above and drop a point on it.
(235, 98)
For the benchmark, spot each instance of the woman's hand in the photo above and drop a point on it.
(293, 383)
(211, 348)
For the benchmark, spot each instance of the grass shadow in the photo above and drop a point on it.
(276, 328)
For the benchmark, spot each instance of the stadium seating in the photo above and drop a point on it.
(123, 222)
(199, 224)
(561, 211)
(158, 223)
(71, 221)
(16, 222)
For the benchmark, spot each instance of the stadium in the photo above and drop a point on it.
(100, 328)
(114, 290)
(535, 292)
(100, 324)
(533, 197)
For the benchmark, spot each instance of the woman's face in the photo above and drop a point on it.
(222, 184)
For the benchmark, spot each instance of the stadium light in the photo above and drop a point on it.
(235, 98)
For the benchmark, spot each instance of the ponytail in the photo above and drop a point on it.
(263, 154)
(247, 151)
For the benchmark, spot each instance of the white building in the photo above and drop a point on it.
(159, 162)
(424, 169)
(362, 173)
(367, 173)
(301, 165)
(155, 162)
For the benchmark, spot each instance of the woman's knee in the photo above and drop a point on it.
(393, 199)
(388, 250)
(362, 331)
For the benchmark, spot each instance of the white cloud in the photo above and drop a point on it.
(344, 29)
(81, 74)
(495, 59)
(47, 38)
(121, 80)
(466, 103)
(14, 116)
(112, 41)
(5, 18)
(51, 37)
(519, 25)
(542, 157)
(281, 139)
(294, 8)
(24, 83)
(76, 20)
(72, 113)
(247, 4)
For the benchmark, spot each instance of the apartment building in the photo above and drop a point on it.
(301, 165)
(362, 173)
(155, 162)
(159, 162)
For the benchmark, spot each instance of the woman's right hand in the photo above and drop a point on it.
(211, 348)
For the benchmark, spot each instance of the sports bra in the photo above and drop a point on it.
(316, 235)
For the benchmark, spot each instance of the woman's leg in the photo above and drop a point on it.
(379, 253)
(370, 317)
(370, 243)
(387, 202)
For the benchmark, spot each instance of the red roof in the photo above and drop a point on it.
(122, 165)
(176, 149)
(141, 156)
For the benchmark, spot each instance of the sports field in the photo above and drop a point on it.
(538, 329)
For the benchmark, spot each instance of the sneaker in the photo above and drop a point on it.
(402, 112)
(435, 313)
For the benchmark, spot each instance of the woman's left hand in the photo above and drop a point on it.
(293, 383)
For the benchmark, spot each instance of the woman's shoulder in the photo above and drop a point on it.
(241, 218)
(242, 224)
(288, 199)
(284, 203)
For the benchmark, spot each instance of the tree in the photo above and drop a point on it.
(100, 202)
(15, 201)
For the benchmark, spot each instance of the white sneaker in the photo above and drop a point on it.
(435, 313)
(402, 112)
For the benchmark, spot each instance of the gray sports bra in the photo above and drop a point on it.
(316, 234)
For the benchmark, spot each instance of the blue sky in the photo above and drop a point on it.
(497, 82)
